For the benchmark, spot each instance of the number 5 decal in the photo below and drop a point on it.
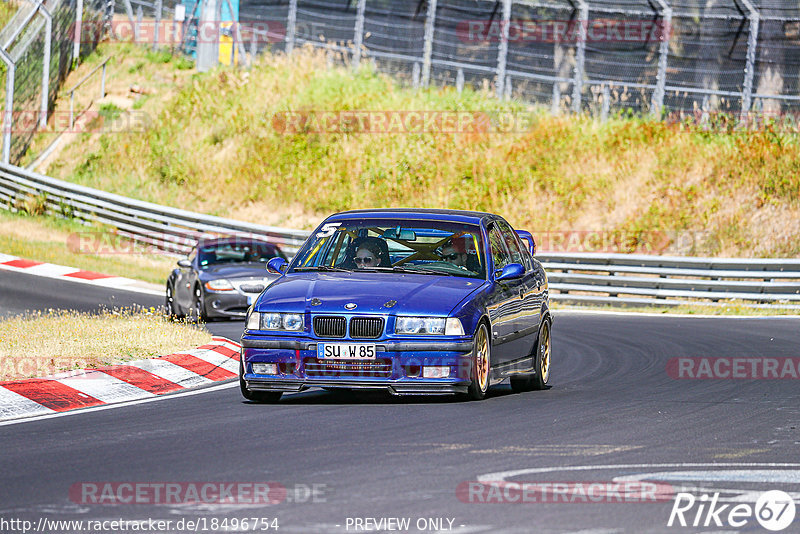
(328, 229)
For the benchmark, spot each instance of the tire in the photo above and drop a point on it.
(170, 304)
(256, 396)
(197, 311)
(481, 364)
(543, 351)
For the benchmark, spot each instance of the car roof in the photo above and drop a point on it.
(233, 240)
(461, 216)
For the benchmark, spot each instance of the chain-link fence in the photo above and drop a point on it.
(601, 56)
(38, 47)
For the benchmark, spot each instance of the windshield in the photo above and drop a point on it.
(236, 252)
(380, 245)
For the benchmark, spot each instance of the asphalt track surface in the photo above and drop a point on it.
(612, 411)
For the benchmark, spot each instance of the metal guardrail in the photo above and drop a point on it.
(170, 229)
(620, 279)
(638, 279)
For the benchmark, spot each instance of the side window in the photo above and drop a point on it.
(498, 248)
(512, 242)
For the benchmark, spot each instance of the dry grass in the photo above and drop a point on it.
(43, 343)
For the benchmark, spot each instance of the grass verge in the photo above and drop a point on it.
(42, 343)
(52, 240)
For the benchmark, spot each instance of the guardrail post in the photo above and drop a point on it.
(502, 50)
(657, 101)
(555, 104)
(103, 81)
(358, 38)
(580, 55)
(76, 45)
(749, 66)
(427, 47)
(460, 80)
(291, 24)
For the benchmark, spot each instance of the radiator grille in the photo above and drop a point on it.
(366, 327)
(329, 326)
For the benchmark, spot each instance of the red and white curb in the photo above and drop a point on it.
(133, 380)
(51, 270)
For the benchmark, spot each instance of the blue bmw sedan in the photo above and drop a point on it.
(413, 301)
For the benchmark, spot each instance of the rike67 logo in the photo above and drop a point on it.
(774, 510)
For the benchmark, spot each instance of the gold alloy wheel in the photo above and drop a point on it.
(482, 359)
(544, 355)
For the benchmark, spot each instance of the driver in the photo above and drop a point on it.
(454, 251)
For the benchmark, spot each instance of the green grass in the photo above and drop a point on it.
(213, 146)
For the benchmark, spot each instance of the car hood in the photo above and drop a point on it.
(414, 294)
(236, 270)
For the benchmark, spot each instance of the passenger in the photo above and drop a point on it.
(369, 252)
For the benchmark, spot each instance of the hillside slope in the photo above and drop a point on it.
(217, 143)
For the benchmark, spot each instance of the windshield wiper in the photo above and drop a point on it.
(325, 268)
(402, 269)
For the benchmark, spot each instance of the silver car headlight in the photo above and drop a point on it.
(450, 326)
(221, 284)
(292, 322)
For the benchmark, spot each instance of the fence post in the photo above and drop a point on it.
(580, 55)
(208, 30)
(460, 80)
(606, 104)
(415, 75)
(358, 38)
(427, 49)
(137, 27)
(8, 114)
(48, 43)
(290, 26)
(502, 50)
(76, 45)
(157, 30)
(663, 51)
(749, 66)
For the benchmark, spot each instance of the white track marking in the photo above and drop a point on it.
(226, 385)
(172, 372)
(215, 358)
(13, 404)
(104, 387)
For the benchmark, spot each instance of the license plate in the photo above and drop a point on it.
(345, 351)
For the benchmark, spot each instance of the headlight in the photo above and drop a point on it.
(292, 322)
(420, 325)
(219, 285)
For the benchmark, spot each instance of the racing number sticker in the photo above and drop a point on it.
(328, 230)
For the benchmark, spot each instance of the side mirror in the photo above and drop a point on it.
(185, 263)
(277, 265)
(510, 272)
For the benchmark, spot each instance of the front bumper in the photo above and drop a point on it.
(231, 304)
(397, 368)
